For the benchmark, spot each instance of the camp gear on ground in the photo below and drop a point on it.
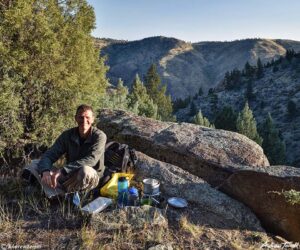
(151, 186)
(97, 205)
(119, 158)
(177, 202)
(122, 199)
(122, 184)
(122, 191)
(110, 189)
(76, 199)
(133, 197)
(152, 200)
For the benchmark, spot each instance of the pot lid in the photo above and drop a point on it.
(150, 181)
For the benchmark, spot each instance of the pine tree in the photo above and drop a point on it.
(273, 146)
(140, 100)
(246, 124)
(117, 99)
(233, 79)
(290, 54)
(200, 92)
(213, 99)
(180, 104)
(193, 109)
(249, 91)
(158, 94)
(199, 119)
(260, 69)
(291, 108)
(152, 82)
(48, 53)
(226, 119)
(249, 70)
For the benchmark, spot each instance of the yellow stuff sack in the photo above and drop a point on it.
(110, 189)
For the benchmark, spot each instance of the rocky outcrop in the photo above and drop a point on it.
(217, 210)
(233, 163)
(220, 210)
(208, 153)
(262, 191)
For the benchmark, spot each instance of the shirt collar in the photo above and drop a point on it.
(75, 136)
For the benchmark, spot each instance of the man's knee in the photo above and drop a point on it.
(87, 172)
(89, 176)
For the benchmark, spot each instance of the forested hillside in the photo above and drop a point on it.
(273, 94)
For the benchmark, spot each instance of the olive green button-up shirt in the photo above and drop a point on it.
(88, 153)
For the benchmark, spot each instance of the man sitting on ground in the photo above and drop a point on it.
(84, 148)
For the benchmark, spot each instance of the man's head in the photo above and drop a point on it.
(84, 117)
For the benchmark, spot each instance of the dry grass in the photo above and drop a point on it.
(88, 237)
(194, 230)
(33, 220)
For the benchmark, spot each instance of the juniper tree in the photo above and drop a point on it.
(273, 146)
(47, 51)
(11, 127)
(246, 124)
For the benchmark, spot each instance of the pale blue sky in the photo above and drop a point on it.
(197, 20)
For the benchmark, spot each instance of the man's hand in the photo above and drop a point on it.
(50, 178)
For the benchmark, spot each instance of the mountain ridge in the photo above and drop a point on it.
(184, 66)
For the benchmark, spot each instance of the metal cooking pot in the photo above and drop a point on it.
(151, 186)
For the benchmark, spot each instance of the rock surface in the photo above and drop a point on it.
(228, 160)
(225, 211)
(161, 247)
(208, 153)
(261, 191)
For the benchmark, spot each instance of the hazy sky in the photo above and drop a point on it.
(197, 20)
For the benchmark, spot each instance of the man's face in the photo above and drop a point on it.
(84, 120)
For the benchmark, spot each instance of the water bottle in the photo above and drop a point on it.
(76, 199)
(133, 197)
(122, 191)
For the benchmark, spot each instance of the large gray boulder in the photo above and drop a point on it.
(231, 162)
(217, 208)
(264, 191)
(208, 153)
